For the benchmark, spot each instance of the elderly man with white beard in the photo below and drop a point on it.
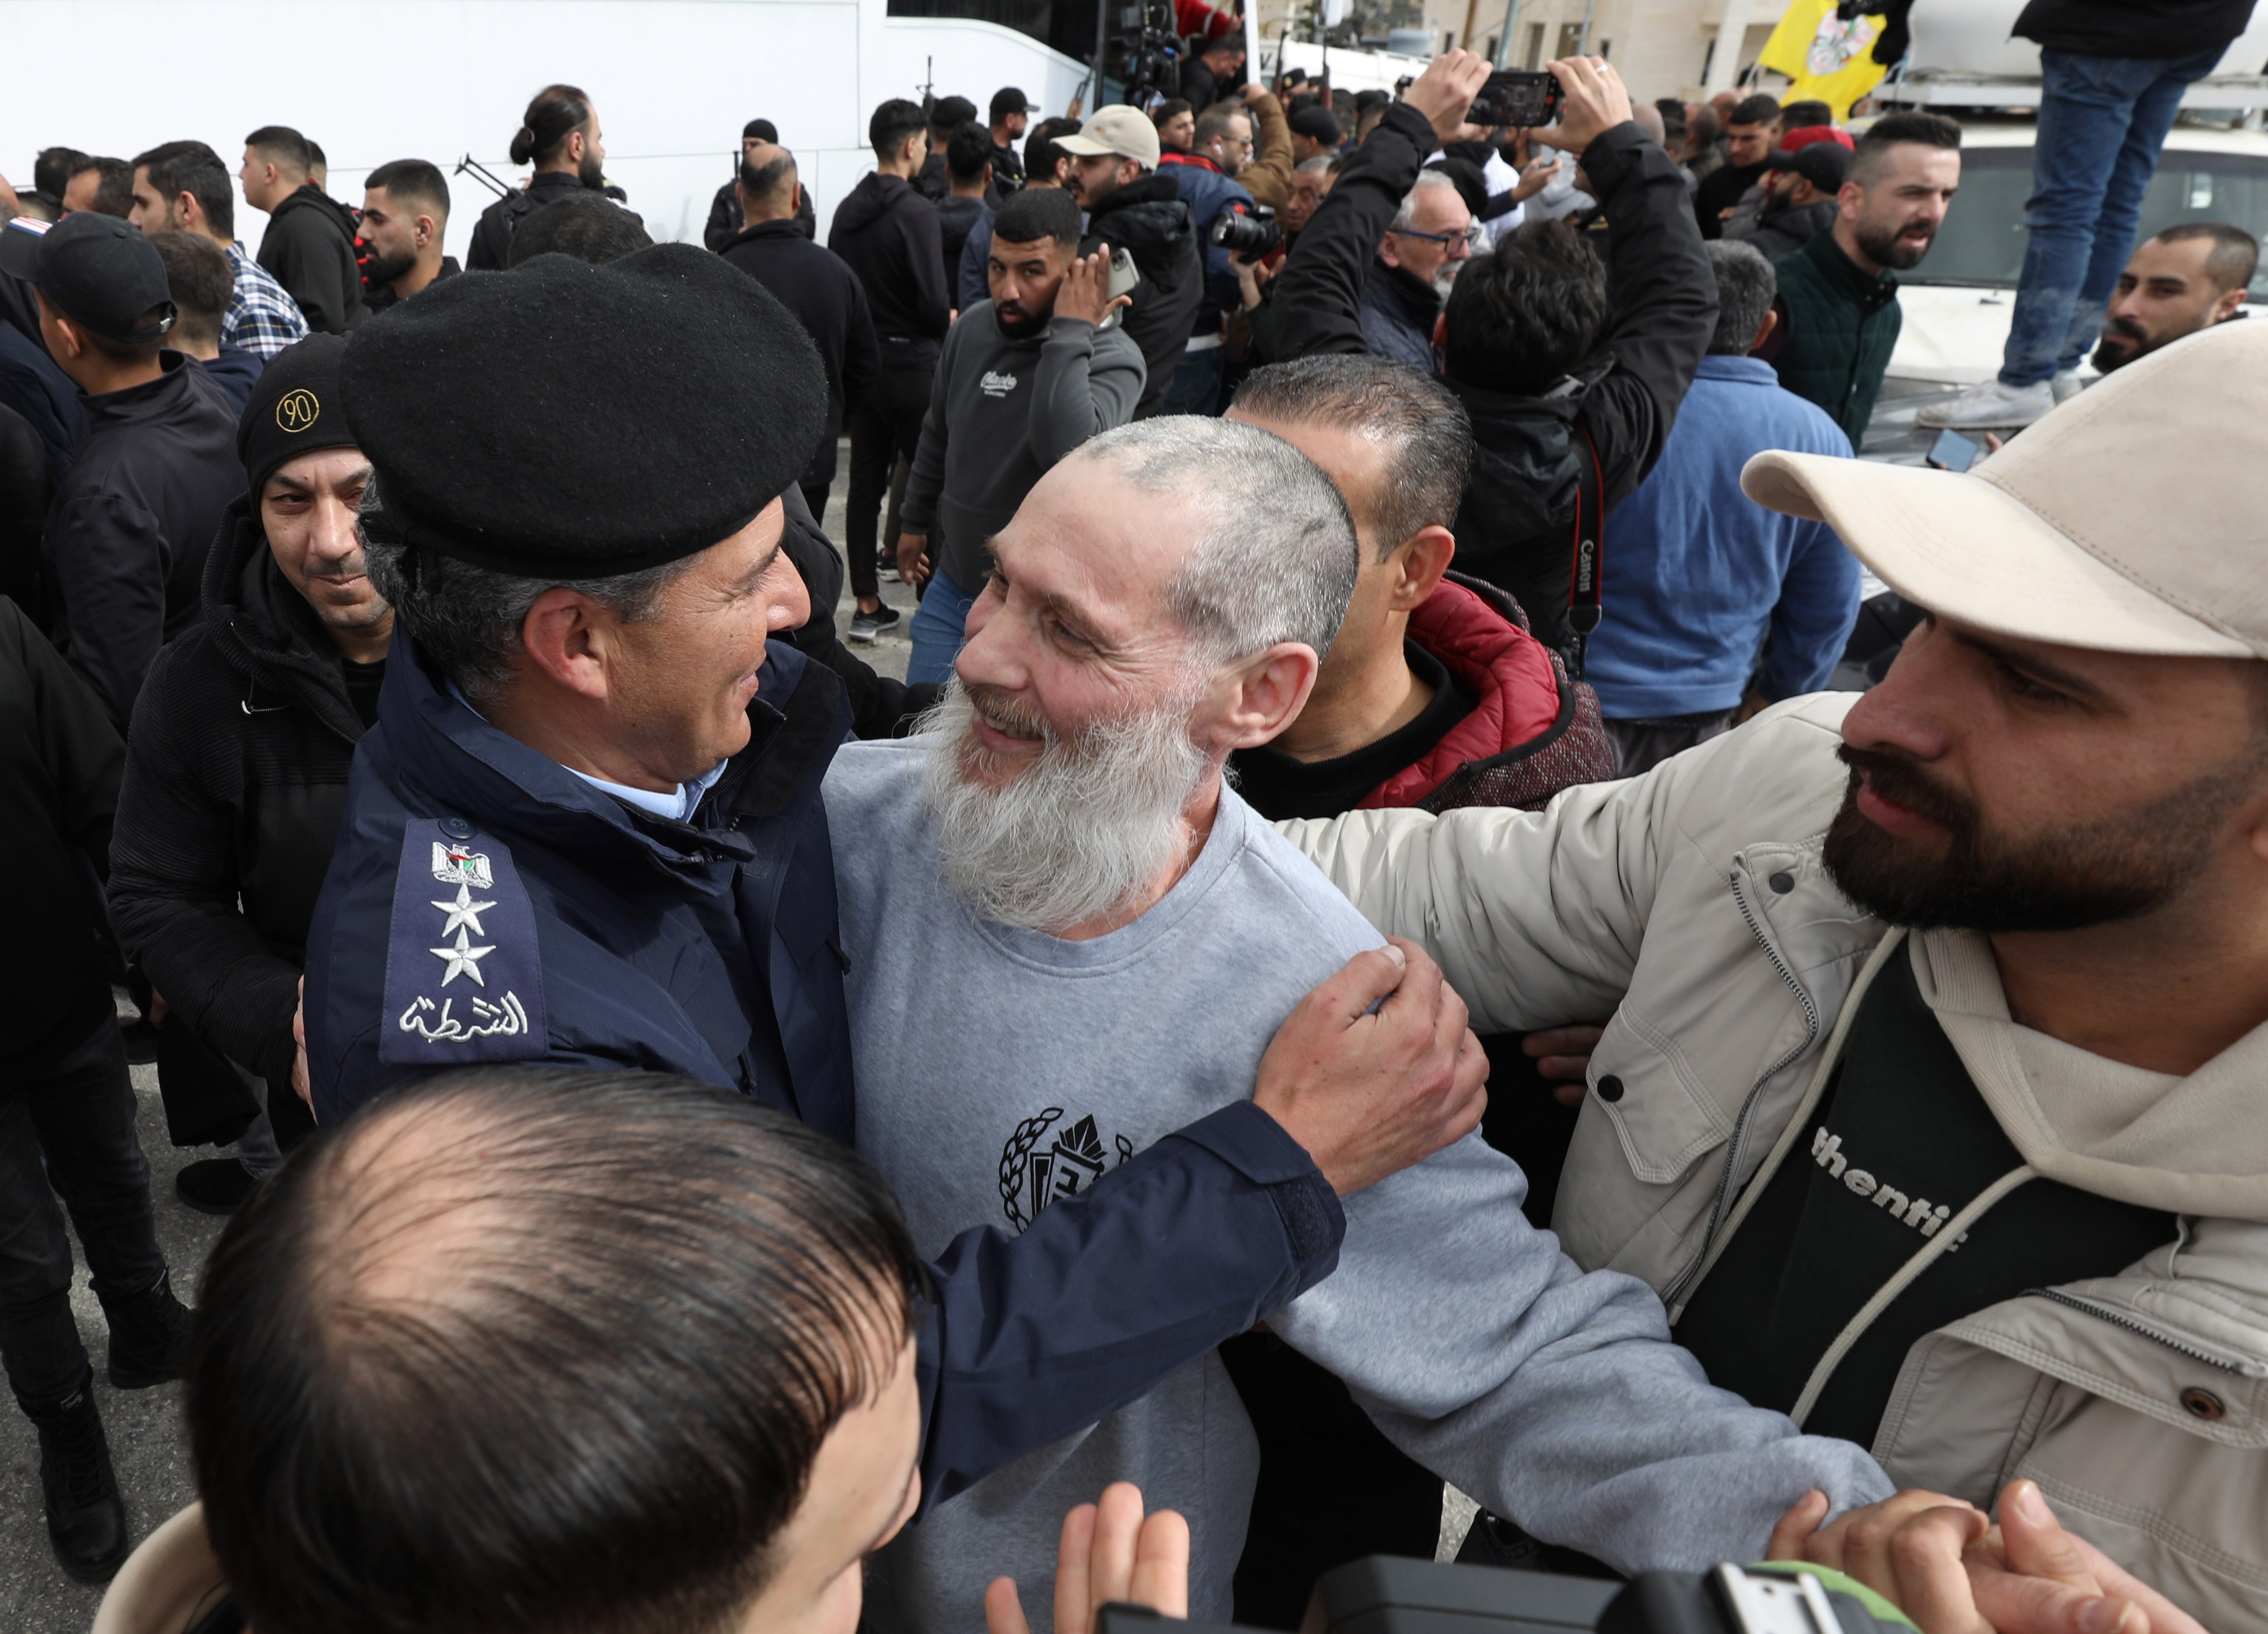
(1066, 937)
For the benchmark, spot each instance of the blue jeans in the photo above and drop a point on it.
(1196, 383)
(2102, 121)
(937, 628)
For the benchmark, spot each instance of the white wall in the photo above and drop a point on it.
(674, 81)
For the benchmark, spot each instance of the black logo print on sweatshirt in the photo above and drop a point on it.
(1035, 1170)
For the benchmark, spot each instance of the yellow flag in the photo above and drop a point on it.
(1829, 59)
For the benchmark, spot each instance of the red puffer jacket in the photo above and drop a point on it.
(1532, 731)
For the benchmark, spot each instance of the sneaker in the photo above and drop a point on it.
(86, 1520)
(2067, 385)
(146, 1338)
(866, 626)
(1990, 405)
(216, 1186)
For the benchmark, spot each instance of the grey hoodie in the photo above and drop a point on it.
(1009, 409)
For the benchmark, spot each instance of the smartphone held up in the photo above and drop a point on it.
(1517, 97)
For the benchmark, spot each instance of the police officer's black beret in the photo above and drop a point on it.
(578, 421)
(296, 406)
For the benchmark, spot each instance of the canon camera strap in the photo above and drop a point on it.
(1583, 607)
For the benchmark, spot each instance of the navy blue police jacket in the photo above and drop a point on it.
(485, 904)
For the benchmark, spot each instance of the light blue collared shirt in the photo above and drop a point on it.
(677, 804)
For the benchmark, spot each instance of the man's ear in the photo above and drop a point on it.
(2226, 307)
(567, 637)
(1418, 566)
(1387, 252)
(1270, 690)
(1764, 329)
(1849, 199)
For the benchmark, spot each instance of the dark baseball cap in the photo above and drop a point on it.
(1009, 100)
(97, 270)
(1822, 163)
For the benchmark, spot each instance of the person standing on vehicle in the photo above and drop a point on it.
(889, 235)
(2112, 73)
(560, 136)
(1841, 302)
(1132, 206)
(1026, 377)
(310, 241)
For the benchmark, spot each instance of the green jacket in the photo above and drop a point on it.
(1842, 326)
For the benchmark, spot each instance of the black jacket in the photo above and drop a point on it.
(25, 489)
(241, 746)
(881, 707)
(828, 299)
(888, 235)
(1148, 220)
(956, 213)
(34, 387)
(309, 245)
(1007, 169)
(724, 217)
(125, 543)
(383, 296)
(1779, 232)
(2146, 28)
(492, 234)
(1513, 527)
(59, 766)
(1719, 190)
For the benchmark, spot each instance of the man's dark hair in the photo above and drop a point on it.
(1673, 118)
(557, 113)
(315, 159)
(1522, 316)
(590, 226)
(1172, 107)
(284, 148)
(1040, 153)
(1028, 217)
(114, 193)
(760, 130)
(1753, 110)
(1745, 284)
(566, 1368)
(1703, 127)
(2234, 257)
(191, 168)
(948, 114)
(201, 282)
(761, 181)
(894, 123)
(968, 151)
(413, 181)
(1215, 122)
(1802, 116)
(1870, 154)
(53, 168)
(1429, 431)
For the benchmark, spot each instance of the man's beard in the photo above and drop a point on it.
(2115, 867)
(1446, 280)
(589, 170)
(1022, 326)
(1891, 249)
(1080, 830)
(382, 270)
(2123, 341)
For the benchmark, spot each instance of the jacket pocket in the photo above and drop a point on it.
(1660, 1113)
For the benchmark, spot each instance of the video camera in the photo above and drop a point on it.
(1144, 52)
(1383, 1596)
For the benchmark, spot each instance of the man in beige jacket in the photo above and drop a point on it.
(1932, 1101)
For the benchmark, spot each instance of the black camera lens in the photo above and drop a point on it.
(1246, 235)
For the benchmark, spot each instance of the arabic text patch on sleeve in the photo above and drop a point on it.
(464, 980)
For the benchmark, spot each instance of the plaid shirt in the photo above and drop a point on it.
(261, 318)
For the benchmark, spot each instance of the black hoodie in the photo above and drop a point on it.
(889, 236)
(309, 245)
(238, 773)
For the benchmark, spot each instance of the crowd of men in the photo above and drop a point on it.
(717, 1136)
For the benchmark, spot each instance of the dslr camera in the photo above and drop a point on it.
(1382, 1595)
(1251, 233)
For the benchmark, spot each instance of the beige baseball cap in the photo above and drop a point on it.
(2133, 518)
(1120, 129)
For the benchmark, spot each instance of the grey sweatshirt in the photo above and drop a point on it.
(999, 1069)
(1001, 412)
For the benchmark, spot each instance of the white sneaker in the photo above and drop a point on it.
(2067, 385)
(1991, 404)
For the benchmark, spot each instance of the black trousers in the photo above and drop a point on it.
(75, 1110)
(885, 427)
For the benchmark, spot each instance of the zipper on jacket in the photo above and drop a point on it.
(2119, 1319)
(1739, 1137)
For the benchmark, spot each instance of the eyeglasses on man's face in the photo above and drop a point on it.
(1468, 236)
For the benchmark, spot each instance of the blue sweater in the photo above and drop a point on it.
(1699, 575)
